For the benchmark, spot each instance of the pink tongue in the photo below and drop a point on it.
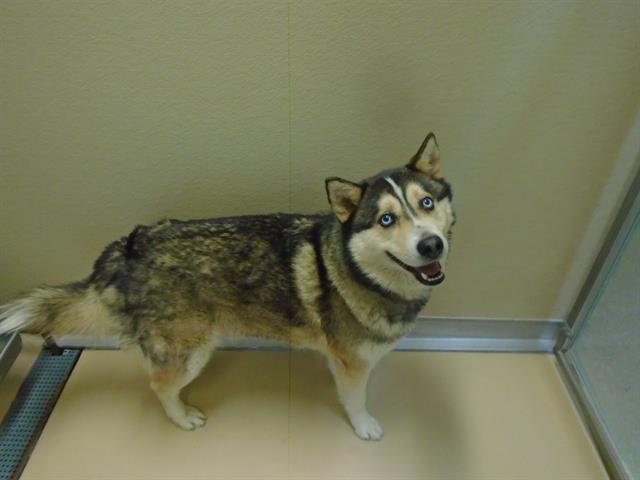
(431, 270)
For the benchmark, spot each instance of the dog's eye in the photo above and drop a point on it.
(426, 203)
(387, 220)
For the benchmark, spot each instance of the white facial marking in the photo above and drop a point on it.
(400, 194)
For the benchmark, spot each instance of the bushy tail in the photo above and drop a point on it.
(70, 309)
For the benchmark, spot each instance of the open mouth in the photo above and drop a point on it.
(430, 274)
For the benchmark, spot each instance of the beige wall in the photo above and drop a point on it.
(114, 114)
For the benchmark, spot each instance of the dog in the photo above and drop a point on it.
(348, 284)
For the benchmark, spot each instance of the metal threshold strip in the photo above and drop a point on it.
(448, 334)
(31, 408)
(484, 335)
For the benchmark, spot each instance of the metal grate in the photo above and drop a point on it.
(30, 410)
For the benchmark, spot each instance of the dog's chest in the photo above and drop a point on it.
(372, 352)
(388, 325)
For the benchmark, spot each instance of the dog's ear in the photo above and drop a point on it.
(344, 196)
(427, 158)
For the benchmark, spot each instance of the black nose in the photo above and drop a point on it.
(431, 247)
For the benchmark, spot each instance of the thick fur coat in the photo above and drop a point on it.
(348, 284)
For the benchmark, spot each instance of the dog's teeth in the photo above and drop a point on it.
(424, 277)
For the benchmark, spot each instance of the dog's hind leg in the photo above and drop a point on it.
(171, 369)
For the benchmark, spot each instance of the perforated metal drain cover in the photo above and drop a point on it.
(30, 410)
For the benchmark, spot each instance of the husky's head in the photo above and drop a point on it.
(397, 224)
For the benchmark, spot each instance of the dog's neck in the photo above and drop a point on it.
(381, 310)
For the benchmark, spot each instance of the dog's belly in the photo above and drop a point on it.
(259, 322)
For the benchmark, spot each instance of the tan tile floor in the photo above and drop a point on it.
(275, 415)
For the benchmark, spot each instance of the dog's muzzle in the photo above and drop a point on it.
(430, 274)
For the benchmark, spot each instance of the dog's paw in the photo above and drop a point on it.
(192, 418)
(367, 427)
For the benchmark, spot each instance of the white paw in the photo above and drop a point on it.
(367, 427)
(191, 419)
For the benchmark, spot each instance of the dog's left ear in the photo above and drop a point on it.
(427, 158)
(344, 196)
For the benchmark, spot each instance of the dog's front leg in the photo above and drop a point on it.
(351, 379)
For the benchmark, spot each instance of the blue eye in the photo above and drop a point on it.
(387, 220)
(426, 203)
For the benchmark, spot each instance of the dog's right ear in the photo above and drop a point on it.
(344, 196)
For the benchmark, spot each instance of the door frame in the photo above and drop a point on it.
(606, 260)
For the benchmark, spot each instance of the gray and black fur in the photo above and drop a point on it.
(173, 287)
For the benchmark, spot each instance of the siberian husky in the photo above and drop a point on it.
(348, 284)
